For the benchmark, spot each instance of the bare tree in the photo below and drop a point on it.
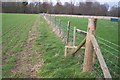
(58, 8)
(113, 11)
(83, 8)
(25, 4)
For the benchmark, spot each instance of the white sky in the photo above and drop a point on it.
(85, 0)
(62, 0)
(110, 2)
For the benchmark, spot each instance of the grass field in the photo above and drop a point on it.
(55, 64)
(106, 35)
(15, 29)
(104, 27)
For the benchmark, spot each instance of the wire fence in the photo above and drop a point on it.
(109, 49)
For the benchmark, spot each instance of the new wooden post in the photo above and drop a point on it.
(55, 23)
(67, 34)
(50, 20)
(88, 57)
(94, 54)
(59, 27)
(67, 38)
(74, 36)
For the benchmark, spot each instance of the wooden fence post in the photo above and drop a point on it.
(65, 54)
(60, 28)
(94, 54)
(50, 20)
(88, 57)
(67, 38)
(74, 36)
(55, 24)
(67, 34)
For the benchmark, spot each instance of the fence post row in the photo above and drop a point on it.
(88, 57)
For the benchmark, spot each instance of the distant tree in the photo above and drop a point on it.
(83, 8)
(114, 11)
(93, 8)
(72, 6)
(104, 9)
(58, 8)
(25, 5)
(44, 7)
(88, 8)
(66, 8)
(119, 9)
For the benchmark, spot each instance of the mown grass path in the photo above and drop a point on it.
(15, 30)
(25, 66)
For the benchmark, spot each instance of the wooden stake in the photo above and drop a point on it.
(65, 51)
(60, 27)
(74, 36)
(88, 57)
(79, 46)
(55, 24)
(50, 19)
(67, 36)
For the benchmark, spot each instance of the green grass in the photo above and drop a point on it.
(15, 28)
(105, 29)
(55, 64)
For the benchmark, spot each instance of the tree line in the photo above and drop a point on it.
(82, 8)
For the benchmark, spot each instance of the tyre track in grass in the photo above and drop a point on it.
(24, 65)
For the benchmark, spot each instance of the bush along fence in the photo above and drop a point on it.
(92, 58)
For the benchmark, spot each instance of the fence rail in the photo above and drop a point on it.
(84, 16)
(95, 58)
(100, 58)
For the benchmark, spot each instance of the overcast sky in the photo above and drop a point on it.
(63, 0)
(85, 0)
(110, 2)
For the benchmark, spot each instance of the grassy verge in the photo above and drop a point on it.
(55, 64)
(108, 41)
